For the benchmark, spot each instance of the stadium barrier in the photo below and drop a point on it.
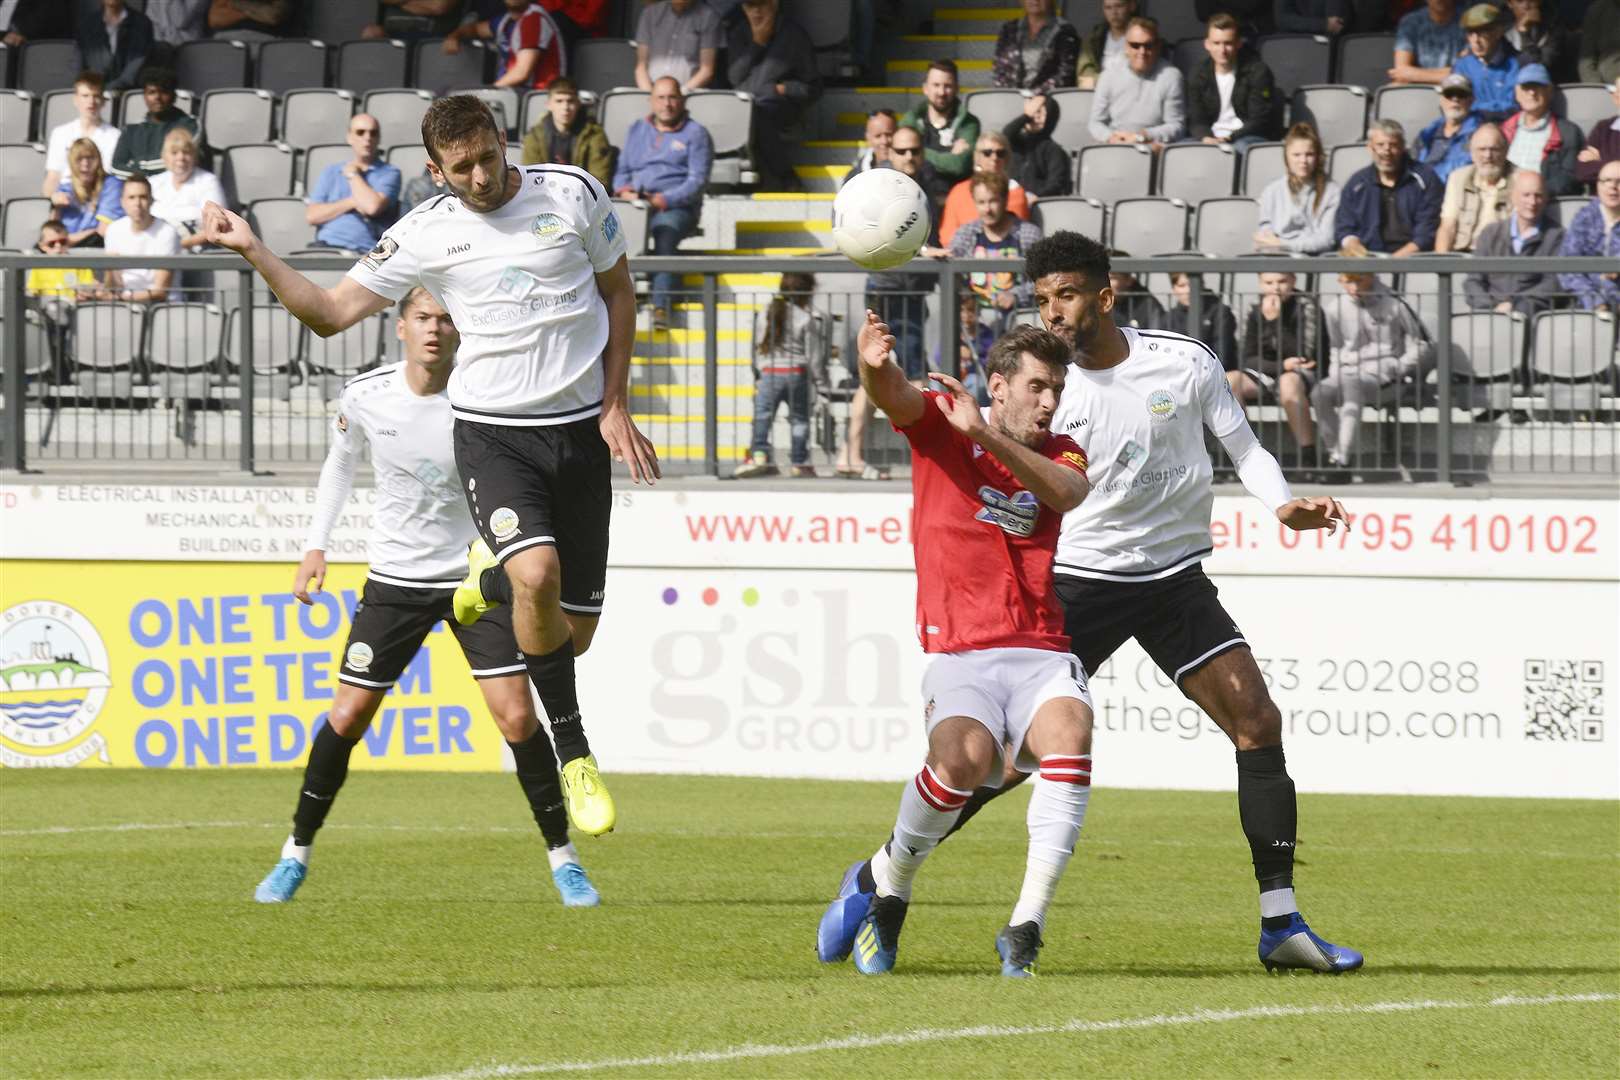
(226, 376)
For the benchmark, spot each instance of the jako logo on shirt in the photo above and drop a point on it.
(548, 227)
(1161, 406)
(503, 523)
(1015, 515)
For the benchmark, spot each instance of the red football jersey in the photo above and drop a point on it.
(983, 544)
(531, 28)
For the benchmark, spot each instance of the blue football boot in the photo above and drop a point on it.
(575, 887)
(877, 939)
(281, 882)
(836, 934)
(1294, 946)
(1018, 946)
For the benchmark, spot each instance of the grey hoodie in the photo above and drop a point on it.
(1378, 336)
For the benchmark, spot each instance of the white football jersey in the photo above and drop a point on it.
(421, 527)
(1142, 424)
(520, 283)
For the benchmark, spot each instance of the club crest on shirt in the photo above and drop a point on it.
(547, 227)
(1015, 515)
(373, 259)
(503, 522)
(359, 657)
(1161, 406)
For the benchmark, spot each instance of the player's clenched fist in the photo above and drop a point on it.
(228, 230)
(875, 342)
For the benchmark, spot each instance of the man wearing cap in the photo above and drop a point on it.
(1477, 193)
(1538, 140)
(1490, 63)
(1443, 145)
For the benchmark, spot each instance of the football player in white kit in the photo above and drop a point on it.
(417, 548)
(531, 265)
(1128, 558)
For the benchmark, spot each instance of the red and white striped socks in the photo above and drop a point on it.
(1057, 809)
(928, 809)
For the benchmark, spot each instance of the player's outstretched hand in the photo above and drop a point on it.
(1323, 512)
(629, 446)
(875, 342)
(960, 408)
(311, 575)
(228, 230)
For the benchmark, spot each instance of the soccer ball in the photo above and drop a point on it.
(880, 219)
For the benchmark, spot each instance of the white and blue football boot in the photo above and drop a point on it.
(574, 886)
(836, 934)
(877, 939)
(1295, 947)
(281, 882)
(1019, 946)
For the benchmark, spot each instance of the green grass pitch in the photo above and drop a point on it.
(428, 939)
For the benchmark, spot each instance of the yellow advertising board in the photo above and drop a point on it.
(189, 664)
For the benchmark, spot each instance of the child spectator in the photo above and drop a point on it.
(790, 349)
(1217, 326)
(1284, 353)
(1297, 210)
(565, 136)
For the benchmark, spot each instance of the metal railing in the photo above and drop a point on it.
(229, 378)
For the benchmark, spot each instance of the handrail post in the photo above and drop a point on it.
(244, 367)
(950, 323)
(711, 374)
(16, 434)
(1442, 374)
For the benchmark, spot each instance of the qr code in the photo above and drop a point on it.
(1563, 700)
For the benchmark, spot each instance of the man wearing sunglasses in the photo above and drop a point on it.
(354, 201)
(992, 155)
(1142, 101)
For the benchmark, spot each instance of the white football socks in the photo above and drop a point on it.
(1277, 902)
(562, 856)
(1057, 810)
(290, 850)
(928, 809)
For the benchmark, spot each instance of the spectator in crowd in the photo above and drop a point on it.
(991, 154)
(566, 136)
(578, 18)
(1217, 326)
(880, 129)
(1491, 64)
(1443, 144)
(179, 192)
(1297, 210)
(772, 58)
(528, 45)
(949, 131)
(1600, 42)
(790, 353)
(1037, 52)
(1313, 16)
(88, 201)
(1039, 164)
(1375, 344)
(1476, 194)
(1539, 140)
(114, 40)
(1525, 231)
(665, 161)
(1428, 42)
(355, 200)
(88, 100)
(1596, 231)
(22, 22)
(52, 290)
(1140, 101)
(995, 234)
(255, 20)
(1393, 205)
(175, 22)
(1602, 144)
(1231, 95)
(413, 20)
(678, 38)
(1104, 46)
(140, 146)
(975, 340)
(1133, 304)
(1284, 352)
(1537, 38)
(419, 189)
(139, 233)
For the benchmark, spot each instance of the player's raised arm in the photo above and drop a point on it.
(885, 383)
(325, 311)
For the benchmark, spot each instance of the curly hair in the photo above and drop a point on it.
(1067, 252)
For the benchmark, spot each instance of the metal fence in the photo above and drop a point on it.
(221, 374)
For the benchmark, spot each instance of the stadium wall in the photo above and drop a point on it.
(1445, 646)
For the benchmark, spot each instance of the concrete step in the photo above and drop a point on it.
(810, 233)
(821, 178)
(827, 151)
(841, 112)
(973, 74)
(956, 47)
(973, 20)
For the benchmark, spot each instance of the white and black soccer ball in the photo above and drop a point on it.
(880, 219)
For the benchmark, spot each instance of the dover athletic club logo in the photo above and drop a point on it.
(54, 680)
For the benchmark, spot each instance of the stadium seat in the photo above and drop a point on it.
(278, 344)
(335, 22)
(633, 215)
(1562, 210)
(439, 73)
(1364, 60)
(236, 117)
(1025, 317)
(616, 112)
(1339, 113)
(1487, 354)
(1111, 173)
(503, 102)
(1413, 106)
(1073, 129)
(212, 65)
(1226, 226)
(995, 108)
(255, 171)
(399, 113)
(315, 116)
(132, 106)
(409, 158)
(22, 168)
(108, 349)
(1194, 171)
(280, 224)
(47, 65)
(1347, 160)
(292, 64)
(36, 350)
(21, 218)
(602, 64)
(729, 117)
(1422, 290)
(16, 117)
(1071, 213)
(1572, 357)
(183, 346)
(371, 65)
(1297, 60)
(55, 109)
(1585, 104)
(1261, 165)
(828, 23)
(7, 66)
(1185, 54)
(347, 353)
(317, 158)
(1178, 20)
(1151, 226)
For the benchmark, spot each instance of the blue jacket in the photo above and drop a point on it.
(1493, 82)
(1418, 194)
(672, 163)
(1442, 155)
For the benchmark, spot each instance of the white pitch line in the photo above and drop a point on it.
(754, 1051)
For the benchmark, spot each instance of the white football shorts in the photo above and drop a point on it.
(1001, 689)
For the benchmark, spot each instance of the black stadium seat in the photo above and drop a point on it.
(371, 65)
(47, 65)
(293, 65)
(212, 65)
(439, 73)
